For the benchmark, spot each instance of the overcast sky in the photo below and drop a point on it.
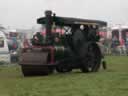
(23, 13)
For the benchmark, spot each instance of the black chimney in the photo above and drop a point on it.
(49, 21)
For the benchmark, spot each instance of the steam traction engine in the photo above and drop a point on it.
(67, 43)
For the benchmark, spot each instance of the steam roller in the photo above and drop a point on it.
(63, 44)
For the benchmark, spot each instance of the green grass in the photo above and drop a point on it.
(110, 82)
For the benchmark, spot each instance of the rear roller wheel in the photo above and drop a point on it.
(91, 57)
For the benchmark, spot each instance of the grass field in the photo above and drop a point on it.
(110, 82)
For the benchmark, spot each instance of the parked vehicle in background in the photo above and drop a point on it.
(124, 33)
(119, 39)
(4, 50)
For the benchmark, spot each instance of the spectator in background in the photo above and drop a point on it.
(115, 44)
(115, 41)
(126, 44)
(122, 47)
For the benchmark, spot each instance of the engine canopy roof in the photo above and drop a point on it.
(68, 21)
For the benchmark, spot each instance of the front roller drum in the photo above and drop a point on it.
(35, 70)
(34, 62)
